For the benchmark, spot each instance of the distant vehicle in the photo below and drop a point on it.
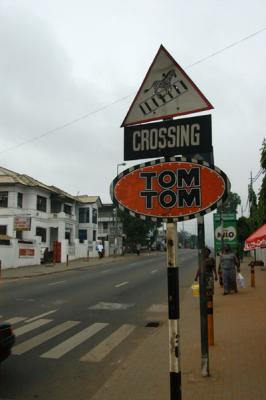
(7, 340)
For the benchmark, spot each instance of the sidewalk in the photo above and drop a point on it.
(237, 360)
(44, 269)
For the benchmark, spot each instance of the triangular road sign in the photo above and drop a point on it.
(166, 92)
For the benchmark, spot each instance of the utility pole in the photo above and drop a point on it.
(203, 299)
(116, 216)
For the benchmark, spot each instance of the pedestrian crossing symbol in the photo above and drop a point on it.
(166, 91)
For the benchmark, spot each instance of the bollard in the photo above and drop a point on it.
(210, 321)
(0, 268)
(67, 260)
(252, 274)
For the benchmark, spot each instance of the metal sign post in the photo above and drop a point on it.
(203, 300)
(173, 311)
(171, 189)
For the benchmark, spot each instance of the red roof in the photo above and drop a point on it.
(256, 239)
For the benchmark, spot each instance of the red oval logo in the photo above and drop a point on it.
(170, 190)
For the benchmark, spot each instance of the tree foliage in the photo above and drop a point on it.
(231, 204)
(137, 230)
(257, 216)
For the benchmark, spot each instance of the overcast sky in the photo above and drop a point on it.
(64, 61)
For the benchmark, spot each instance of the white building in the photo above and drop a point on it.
(110, 228)
(35, 216)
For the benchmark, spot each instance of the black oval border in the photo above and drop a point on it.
(162, 161)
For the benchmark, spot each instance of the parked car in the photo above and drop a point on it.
(7, 340)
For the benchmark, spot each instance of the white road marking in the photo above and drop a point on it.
(154, 271)
(160, 308)
(110, 306)
(74, 341)
(31, 326)
(99, 352)
(121, 284)
(40, 316)
(15, 320)
(56, 283)
(22, 299)
(43, 337)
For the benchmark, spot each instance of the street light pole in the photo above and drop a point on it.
(115, 211)
(118, 165)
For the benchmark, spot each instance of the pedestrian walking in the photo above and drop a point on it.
(100, 250)
(229, 265)
(210, 272)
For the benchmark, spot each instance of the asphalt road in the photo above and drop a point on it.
(73, 329)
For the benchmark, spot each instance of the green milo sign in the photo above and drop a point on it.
(229, 231)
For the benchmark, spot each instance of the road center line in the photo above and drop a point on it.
(121, 284)
(154, 271)
(56, 283)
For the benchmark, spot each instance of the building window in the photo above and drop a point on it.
(94, 236)
(67, 209)
(56, 206)
(41, 232)
(84, 215)
(82, 235)
(94, 216)
(41, 203)
(19, 235)
(105, 225)
(3, 199)
(20, 200)
(3, 229)
(67, 236)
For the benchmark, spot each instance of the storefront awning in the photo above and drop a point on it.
(257, 239)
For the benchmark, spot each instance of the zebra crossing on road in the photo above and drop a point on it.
(74, 341)
(43, 337)
(37, 333)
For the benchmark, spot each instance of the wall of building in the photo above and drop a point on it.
(60, 221)
(11, 257)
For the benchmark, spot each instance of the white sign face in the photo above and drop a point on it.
(166, 91)
(229, 233)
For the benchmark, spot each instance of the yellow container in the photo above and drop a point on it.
(195, 289)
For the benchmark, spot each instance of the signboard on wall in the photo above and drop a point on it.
(26, 252)
(22, 223)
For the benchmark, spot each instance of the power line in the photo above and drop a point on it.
(74, 121)
(258, 175)
(60, 127)
(228, 47)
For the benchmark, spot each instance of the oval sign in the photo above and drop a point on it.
(173, 189)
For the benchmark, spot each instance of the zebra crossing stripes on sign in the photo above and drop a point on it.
(166, 91)
(171, 90)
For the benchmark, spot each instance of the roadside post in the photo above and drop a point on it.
(173, 310)
(203, 299)
(252, 273)
(180, 185)
(210, 320)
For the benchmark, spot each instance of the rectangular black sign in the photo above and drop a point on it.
(184, 136)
